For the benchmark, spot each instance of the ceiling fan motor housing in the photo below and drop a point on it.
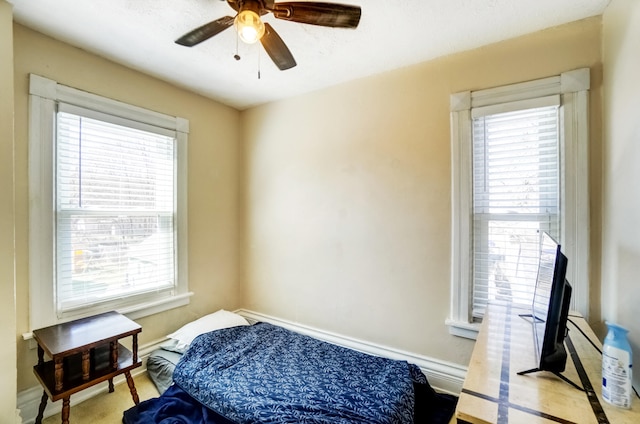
(257, 6)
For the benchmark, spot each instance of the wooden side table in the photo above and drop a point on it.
(83, 353)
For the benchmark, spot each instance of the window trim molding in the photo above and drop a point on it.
(573, 88)
(43, 97)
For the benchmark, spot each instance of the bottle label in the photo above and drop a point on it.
(616, 377)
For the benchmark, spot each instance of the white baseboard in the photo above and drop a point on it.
(29, 399)
(442, 375)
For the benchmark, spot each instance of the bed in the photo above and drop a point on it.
(263, 373)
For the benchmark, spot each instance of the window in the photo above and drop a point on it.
(519, 161)
(516, 166)
(108, 206)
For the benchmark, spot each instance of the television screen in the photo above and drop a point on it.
(550, 308)
(549, 251)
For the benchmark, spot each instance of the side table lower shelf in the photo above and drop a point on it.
(100, 370)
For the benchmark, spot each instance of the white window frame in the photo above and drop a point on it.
(44, 94)
(573, 88)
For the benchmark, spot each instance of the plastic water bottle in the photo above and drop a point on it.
(617, 367)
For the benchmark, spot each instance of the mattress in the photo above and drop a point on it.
(160, 367)
(194, 400)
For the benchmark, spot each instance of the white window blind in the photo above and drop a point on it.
(115, 209)
(516, 195)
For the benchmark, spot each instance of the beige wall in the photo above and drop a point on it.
(347, 192)
(213, 177)
(621, 206)
(7, 252)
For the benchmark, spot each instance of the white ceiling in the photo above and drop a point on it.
(392, 34)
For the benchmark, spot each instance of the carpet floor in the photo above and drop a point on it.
(107, 408)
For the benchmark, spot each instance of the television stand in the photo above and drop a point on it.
(495, 392)
(533, 319)
(557, 374)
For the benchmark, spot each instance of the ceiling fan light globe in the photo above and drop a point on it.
(249, 26)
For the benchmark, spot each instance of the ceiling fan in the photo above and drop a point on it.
(250, 27)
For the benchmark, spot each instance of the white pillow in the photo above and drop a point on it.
(215, 321)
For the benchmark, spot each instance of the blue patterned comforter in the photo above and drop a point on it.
(265, 373)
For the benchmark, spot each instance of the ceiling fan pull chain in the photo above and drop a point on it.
(259, 56)
(236, 56)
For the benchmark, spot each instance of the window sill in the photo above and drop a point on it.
(463, 329)
(150, 308)
(144, 309)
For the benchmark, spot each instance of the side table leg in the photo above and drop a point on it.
(111, 385)
(132, 387)
(134, 348)
(65, 410)
(43, 404)
(40, 355)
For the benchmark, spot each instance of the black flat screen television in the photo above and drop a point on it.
(550, 309)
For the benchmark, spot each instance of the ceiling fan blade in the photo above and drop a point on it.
(319, 13)
(276, 49)
(205, 32)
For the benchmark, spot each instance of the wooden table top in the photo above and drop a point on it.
(493, 392)
(86, 333)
